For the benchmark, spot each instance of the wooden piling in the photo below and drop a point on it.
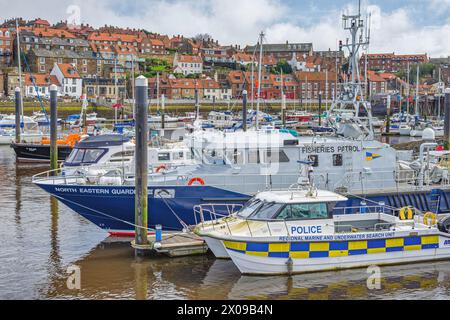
(18, 105)
(141, 173)
(53, 127)
(244, 110)
(388, 113)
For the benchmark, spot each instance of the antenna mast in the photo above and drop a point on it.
(351, 99)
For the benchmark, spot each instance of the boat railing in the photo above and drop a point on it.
(378, 180)
(210, 214)
(81, 175)
(207, 217)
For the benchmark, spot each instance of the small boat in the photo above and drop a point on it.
(155, 123)
(40, 152)
(30, 132)
(300, 231)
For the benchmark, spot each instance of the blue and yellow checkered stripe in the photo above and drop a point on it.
(307, 250)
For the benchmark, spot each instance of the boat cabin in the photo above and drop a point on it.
(101, 150)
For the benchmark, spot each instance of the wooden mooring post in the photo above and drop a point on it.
(53, 127)
(18, 110)
(141, 172)
(173, 245)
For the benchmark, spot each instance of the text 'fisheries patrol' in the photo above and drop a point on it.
(329, 149)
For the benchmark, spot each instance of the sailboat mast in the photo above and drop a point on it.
(132, 88)
(19, 63)
(115, 88)
(417, 90)
(258, 103)
(408, 91)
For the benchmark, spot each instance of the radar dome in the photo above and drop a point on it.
(429, 134)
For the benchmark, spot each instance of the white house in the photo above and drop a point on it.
(71, 83)
(188, 64)
(39, 84)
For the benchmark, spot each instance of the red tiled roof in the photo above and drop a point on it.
(244, 57)
(68, 70)
(156, 42)
(41, 80)
(374, 77)
(41, 22)
(50, 32)
(190, 59)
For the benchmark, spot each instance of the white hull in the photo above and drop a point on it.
(26, 138)
(217, 248)
(418, 133)
(256, 265)
(405, 131)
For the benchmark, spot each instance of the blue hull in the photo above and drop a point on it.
(112, 208)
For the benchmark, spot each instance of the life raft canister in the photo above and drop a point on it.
(197, 179)
(406, 213)
(430, 219)
(161, 168)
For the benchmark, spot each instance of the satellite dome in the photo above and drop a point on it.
(429, 134)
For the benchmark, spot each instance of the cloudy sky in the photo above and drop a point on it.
(401, 26)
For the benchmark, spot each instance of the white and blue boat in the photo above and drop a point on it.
(300, 231)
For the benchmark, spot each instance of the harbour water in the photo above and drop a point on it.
(41, 238)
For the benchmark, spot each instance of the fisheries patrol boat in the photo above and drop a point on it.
(301, 230)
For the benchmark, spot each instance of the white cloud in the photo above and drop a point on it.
(239, 22)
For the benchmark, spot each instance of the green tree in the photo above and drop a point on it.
(281, 65)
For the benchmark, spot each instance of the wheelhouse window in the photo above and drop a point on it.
(163, 156)
(304, 211)
(85, 156)
(338, 160)
(275, 156)
(267, 211)
(250, 208)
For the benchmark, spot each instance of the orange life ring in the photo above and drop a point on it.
(160, 168)
(199, 180)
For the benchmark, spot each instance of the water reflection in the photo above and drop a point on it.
(110, 271)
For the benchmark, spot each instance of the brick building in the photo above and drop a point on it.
(311, 84)
(6, 47)
(391, 62)
(283, 51)
(43, 61)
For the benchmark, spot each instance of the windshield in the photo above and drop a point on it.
(84, 156)
(267, 211)
(250, 208)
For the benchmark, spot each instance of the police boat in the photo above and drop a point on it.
(301, 230)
